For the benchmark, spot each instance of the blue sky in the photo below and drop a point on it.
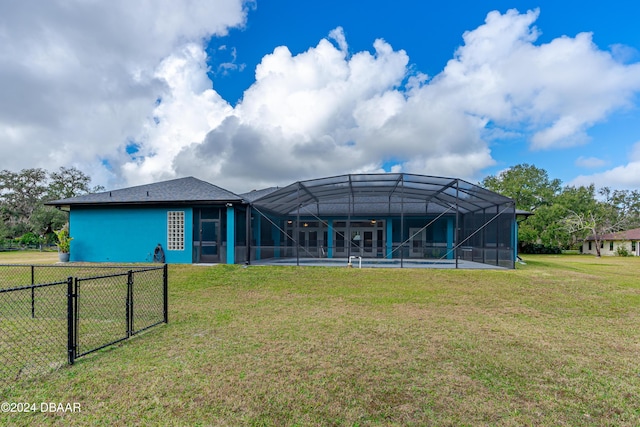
(250, 94)
(430, 32)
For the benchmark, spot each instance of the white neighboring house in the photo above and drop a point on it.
(610, 242)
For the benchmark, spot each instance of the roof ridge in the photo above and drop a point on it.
(185, 189)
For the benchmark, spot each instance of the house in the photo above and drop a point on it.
(185, 216)
(611, 243)
(389, 216)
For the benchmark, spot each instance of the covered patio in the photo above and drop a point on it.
(390, 219)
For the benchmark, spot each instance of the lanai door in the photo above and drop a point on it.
(418, 242)
(365, 237)
(206, 236)
(209, 240)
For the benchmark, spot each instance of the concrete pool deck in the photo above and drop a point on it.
(379, 263)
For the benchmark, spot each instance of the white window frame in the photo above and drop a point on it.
(175, 230)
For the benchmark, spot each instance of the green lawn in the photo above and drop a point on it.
(554, 342)
(28, 257)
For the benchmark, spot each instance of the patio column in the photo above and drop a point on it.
(330, 238)
(249, 233)
(258, 237)
(275, 232)
(231, 234)
(449, 238)
(389, 238)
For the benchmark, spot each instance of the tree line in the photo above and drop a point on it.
(24, 218)
(563, 216)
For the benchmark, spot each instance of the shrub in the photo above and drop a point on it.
(539, 248)
(29, 239)
(622, 251)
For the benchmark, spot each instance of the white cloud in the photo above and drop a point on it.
(188, 111)
(327, 111)
(83, 86)
(226, 67)
(620, 177)
(634, 154)
(590, 162)
(79, 78)
(624, 54)
(337, 35)
(555, 90)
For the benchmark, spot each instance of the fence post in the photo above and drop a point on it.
(71, 345)
(165, 296)
(33, 293)
(129, 303)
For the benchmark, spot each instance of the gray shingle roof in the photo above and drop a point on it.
(180, 190)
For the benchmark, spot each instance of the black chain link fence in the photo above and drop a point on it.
(51, 315)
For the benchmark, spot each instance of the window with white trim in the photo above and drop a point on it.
(175, 230)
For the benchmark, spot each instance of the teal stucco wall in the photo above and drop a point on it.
(125, 234)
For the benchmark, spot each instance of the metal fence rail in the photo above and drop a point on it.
(52, 315)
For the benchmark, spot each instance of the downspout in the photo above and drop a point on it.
(297, 233)
(248, 233)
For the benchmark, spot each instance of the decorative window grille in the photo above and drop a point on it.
(175, 230)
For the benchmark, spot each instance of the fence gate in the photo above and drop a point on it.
(33, 328)
(110, 308)
(101, 313)
(67, 312)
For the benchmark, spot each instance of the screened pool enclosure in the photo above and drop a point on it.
(393, 219)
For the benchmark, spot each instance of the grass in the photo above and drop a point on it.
(553, 342)
(28, 257)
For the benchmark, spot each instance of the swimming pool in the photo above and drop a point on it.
(377, 263)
